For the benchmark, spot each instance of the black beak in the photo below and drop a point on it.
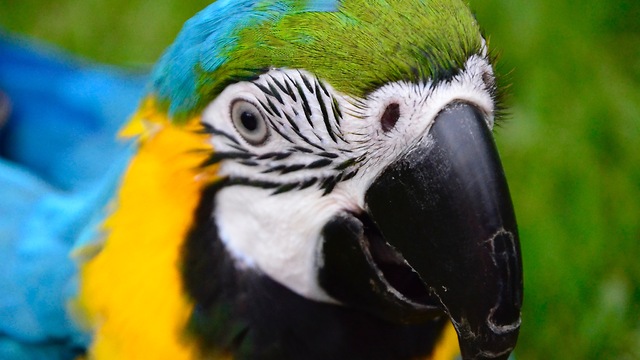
(439, 235)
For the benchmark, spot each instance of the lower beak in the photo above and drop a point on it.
(439, 236)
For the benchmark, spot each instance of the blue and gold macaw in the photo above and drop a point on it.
(298, 180)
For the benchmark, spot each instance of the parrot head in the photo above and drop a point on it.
(355, 163)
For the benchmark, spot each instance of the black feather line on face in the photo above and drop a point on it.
(274, 155)
(206, 129)
(238, 147)
(274, 169)
(276, 93)
(324, 88)
(216, 157)
(305, 184)
(305, 104)
(293, 124)
(292, 168)
(306, 82)
(325, 113)
(328, 155)
(286, 90)
(345, 164)
(210, 129)
(328, 184)
(289, 89)
(275, 128)
(265, 107)
(339, 135)
(285, 188)
(337, 113)
(249, 163)
(263, 88)
(303, 149)
(273, 107)
(299, 133)
(319, 164)
(350, 175)
(253, 183)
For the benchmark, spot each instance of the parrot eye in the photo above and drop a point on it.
(249, 122)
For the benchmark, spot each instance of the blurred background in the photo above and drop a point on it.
(570, 146)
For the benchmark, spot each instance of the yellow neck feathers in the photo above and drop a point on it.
(131, 290)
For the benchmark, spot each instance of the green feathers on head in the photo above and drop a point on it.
(356, 46)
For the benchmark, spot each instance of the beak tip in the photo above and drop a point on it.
(488, 327)
(488, 340)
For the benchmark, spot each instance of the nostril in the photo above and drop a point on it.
(390, 117)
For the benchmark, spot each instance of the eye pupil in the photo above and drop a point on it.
(249, 120)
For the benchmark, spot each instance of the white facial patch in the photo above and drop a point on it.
(322, 152)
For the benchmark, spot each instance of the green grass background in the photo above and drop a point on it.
(571, 148)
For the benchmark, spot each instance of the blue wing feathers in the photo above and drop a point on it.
(60, 162)
(65, 112)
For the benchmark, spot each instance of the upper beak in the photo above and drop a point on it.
(439, 235)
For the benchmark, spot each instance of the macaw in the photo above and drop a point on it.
(298, 180)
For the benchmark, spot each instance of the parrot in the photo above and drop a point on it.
(292, 180)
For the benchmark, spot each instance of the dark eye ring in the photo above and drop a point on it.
(249, 122)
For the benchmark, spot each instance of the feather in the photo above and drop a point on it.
(59, 164)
